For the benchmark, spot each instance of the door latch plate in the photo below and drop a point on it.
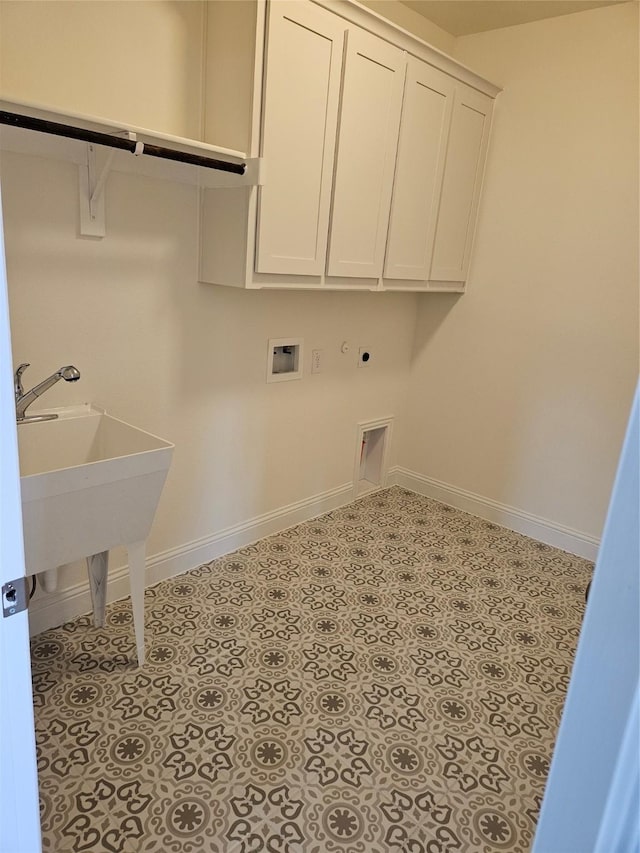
(15, 597)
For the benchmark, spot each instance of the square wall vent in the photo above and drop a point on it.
(284, 359)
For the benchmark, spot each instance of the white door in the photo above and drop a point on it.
(19, 815)
(424, 129)
(372, 88)
(591, 799)
(300, 115)
(466, 154)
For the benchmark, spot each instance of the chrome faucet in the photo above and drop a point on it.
(24, 400)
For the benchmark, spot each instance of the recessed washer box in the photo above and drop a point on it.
(284, 359)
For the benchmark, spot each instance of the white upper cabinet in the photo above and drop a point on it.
(300, 111)
(466, 154)
(424, 130)
(372, 145)
(372, 89)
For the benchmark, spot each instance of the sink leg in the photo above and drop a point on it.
(136, 553)
(97, 569)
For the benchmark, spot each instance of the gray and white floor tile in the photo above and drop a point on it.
(388, 677)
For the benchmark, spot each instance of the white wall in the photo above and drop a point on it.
(520, 389)
(187, 361)
(56, 54)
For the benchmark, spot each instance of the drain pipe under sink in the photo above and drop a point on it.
(49, 580)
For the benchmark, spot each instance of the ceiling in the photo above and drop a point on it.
(462, 17)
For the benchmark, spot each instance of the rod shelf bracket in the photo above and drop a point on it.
(93, 178)
(93, 151)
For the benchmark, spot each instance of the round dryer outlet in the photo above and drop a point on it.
(365, 357)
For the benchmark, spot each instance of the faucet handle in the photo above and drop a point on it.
(17, 382)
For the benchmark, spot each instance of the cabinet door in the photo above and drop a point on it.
(426, 115)
(367, 141)
(300, 111)
(466, 153)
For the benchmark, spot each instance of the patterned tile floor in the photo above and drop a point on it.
(388, 677)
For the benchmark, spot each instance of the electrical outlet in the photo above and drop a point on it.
(365, 357)
(316, 361)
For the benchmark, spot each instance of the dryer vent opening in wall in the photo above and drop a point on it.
(284, 359)
(371, 455)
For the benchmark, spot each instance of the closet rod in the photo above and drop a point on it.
(57, 129)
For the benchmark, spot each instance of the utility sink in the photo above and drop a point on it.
(90, 482)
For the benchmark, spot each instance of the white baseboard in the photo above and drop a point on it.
(55, 609)
(541, 529)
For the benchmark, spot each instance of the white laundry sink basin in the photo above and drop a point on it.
(90, 482)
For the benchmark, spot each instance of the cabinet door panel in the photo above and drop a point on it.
(302, 87)
(367, 142)
(466, 153)
(426, 115)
